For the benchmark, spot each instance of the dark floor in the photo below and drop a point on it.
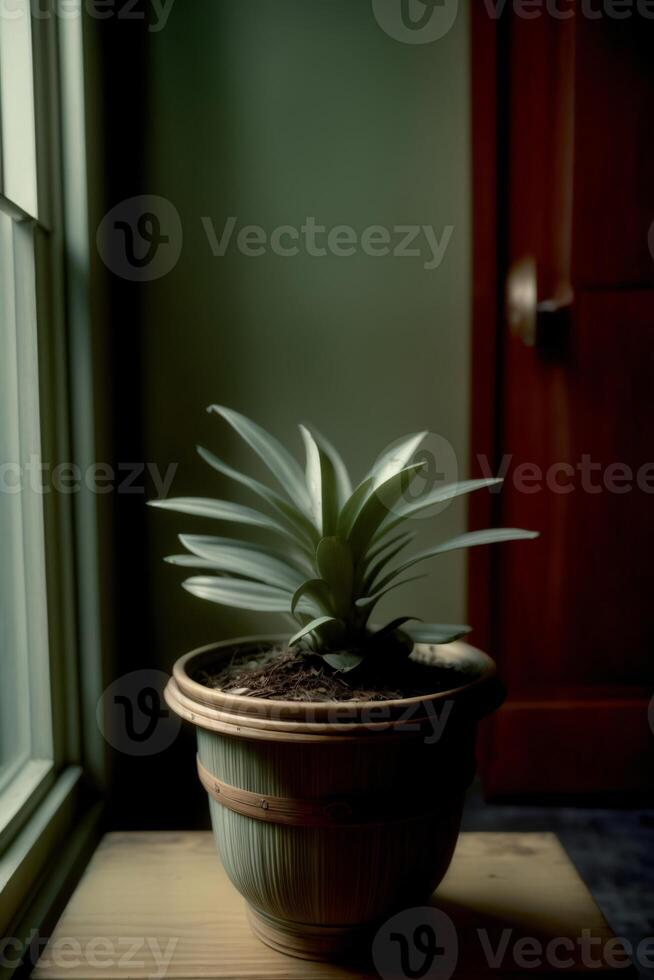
(613, 851)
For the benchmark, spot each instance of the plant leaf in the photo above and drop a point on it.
(367, 602)
(321, 484)
(396, 458)
(437, 496)
(243, 561)
(352, 507)
(468, 540)
(393, 625)
(379, 565)
(342, 477)
(189, 561)
(278, 460)
(344, 661)
(295, 519)
(379, 548)
(239, 593)
(315, 624)
(436, 632)
(296, 560)
(335, 564)
(318, 590)
(383, 498)
(221, 510)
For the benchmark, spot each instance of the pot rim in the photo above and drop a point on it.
(231, 712)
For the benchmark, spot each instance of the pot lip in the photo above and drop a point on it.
(245, 704)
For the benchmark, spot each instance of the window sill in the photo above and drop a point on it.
(22, 793)
(35, 865)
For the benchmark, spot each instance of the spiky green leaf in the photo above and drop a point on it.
(436, 632)
(352, 506)
(436, 496)
(393, 625)
(221, 510)
(321, 484)
(344, 661)
(289, 555)
(294, 519)
(239, 593)
(470, 539)
(189, 561)
(318, 590)
(336, 566)
(342, 477)
(372, 553)
(278, 460)
(250, 563)
(366, 603)
(382, 500)
(372, 574)
(315, 625)
(396, 458)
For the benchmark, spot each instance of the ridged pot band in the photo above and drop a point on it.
(334, 811)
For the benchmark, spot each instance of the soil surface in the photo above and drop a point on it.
(288, 675)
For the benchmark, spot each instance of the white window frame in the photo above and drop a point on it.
(52, 805)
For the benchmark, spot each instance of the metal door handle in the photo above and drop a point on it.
(531, 320)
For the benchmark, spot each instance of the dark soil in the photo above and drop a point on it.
(288, 675)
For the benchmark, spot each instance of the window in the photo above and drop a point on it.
(26, 737)
(26, 744)
(41, 752)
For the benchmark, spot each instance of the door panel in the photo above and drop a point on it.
(570, 617)
(614, 189)
(540, 742)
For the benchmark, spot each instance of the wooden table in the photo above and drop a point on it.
(160, 904)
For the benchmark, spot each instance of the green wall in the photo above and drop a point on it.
(272, 111)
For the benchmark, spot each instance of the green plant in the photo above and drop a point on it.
(333, 564)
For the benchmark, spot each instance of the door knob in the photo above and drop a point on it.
(533, 321)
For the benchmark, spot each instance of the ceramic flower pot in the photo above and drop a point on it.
(331, 816)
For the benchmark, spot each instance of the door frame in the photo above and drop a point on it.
(489, 42)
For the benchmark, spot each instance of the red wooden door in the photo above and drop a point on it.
(564, 144)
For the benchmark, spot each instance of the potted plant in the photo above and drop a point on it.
(335, 761)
